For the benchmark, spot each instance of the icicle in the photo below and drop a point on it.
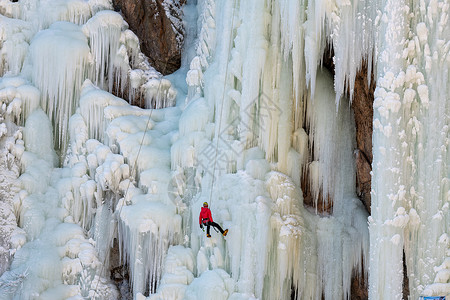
(159, 93)
(60, 62)
(104, 31)
(330, 126)
(146, 229)
(41, 14)
(179, 264)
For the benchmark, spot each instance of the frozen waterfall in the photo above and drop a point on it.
(99, 198)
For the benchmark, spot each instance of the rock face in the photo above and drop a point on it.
(323, 207)
(362, 105)
(359, 288)
(158, 25)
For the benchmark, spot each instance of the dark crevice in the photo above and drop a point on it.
(405, 278)
(327, 59)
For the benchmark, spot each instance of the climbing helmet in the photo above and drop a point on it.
(205, 204)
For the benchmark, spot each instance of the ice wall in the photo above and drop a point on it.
(149, 221)
(244, 117)
(260, 117)
(127, 197)
(273, 52)
(410, 182)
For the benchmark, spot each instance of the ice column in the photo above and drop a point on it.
(426, 155)
(386, 237)
(410, 185)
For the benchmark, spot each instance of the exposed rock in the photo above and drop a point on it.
(362, 105)
(322, 207)
(363, 179)
(158, 25)
(405, 287)
(119, 273)
(359, 289)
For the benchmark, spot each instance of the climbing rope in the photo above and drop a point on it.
(221, 107)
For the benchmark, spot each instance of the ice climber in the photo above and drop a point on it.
(205, 219)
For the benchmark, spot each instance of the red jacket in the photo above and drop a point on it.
(205, 213)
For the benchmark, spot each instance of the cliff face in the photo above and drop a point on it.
(158, 25)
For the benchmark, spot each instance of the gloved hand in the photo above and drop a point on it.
(201, 226)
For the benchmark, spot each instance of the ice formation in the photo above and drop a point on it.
(411, 122)
(250, 115)
(11, 147)
(71, 42)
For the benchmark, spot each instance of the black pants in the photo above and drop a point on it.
(208, 224)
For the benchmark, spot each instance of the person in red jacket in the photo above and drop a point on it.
(205, 219)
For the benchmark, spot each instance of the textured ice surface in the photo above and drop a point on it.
(255, 114)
